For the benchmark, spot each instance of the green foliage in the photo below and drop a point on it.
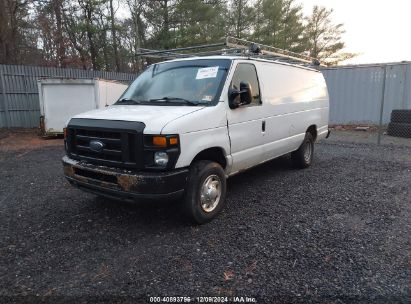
(196, 22)
(324, 37)
(280, 24)
(241, 16)
(106, 34)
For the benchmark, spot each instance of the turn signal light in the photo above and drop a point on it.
(164, 141)
(174, 141)
(65, 133)
(159, 141)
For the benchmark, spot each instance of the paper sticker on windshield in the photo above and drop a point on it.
(210, 72)
(207, 98)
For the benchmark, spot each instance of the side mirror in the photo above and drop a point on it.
(246, 94)
(237, 98)
(234, 99)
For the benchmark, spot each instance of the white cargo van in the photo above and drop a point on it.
(184, 126)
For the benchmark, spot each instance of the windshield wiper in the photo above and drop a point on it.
(170, 99)
(128, 101)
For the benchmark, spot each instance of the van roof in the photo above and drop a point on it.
(232, 57)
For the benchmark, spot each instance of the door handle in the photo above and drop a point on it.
(263, 126)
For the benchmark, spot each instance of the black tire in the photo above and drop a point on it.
(299, 157)
(200, 171)
(399, 129)
(401, 116)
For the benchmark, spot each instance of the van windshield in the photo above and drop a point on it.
(187, 82)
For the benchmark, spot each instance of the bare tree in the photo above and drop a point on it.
(114, 36)
(13, 14)
(61, 50)
(137, 10)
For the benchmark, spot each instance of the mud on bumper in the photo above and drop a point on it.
(123, 184)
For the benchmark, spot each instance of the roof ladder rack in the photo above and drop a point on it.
(270, 51)
(236, 47)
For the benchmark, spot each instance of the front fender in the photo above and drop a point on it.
(195, 142)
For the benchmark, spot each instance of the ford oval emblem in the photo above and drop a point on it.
(96, 145)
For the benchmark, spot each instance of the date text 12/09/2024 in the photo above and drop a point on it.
(234, 299)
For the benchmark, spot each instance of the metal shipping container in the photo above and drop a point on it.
(61, 99)
(360, 94)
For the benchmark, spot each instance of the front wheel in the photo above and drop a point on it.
(303, 157)
(205, 192)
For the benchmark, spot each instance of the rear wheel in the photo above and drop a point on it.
(303, 157)
(205, 193)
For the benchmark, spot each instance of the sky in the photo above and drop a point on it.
(380, 31)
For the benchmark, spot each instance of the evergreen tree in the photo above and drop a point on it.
(324, 38)
(159, 15)
(198, 22)
(93, 34)
(279, 24)
(241, 18)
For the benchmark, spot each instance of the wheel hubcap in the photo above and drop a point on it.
(308, 151)
(210, 193)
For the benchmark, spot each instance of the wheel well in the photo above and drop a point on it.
(213, 154)
(313, 130)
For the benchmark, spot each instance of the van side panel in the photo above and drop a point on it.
(293, 99)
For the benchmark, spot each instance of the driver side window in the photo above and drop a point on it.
(246, 72)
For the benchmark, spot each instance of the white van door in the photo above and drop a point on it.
(292, 103)
(246, 125)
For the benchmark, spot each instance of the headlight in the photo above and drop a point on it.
(161, 158)
(161, 151)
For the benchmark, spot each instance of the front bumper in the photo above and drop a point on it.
(123, 184)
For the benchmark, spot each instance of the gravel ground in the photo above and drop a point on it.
(338, 232)
(368, 137)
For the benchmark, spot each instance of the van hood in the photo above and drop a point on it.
(154, 117)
